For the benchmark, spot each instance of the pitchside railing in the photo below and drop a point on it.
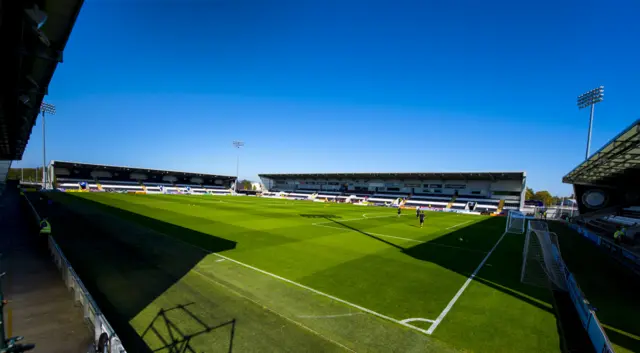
(542, 265)
(104, 335)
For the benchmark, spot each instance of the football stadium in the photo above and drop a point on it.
(136, 259)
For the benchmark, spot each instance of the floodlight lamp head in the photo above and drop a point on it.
(48, 108)
(591, 97)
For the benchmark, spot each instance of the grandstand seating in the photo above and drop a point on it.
(392, 193)
(306, 191)
(298, 196)
(631, 212)
(359, 192)
(481, 208)
(131, 186)
(426, 203)
(511, 205)
(472, 196)
(430, 198)
(419, 194)
(324, 195)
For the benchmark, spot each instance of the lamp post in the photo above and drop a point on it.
(237, 144)
(589, 99)
(44, 109)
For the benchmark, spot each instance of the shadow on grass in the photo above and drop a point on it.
(120, 256)
(468, 246)
(458, 251)
(320, 215)
(173, 339)
(370, 235)
(609, 286)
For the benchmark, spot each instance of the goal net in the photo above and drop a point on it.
(515, 222)
(542, 263)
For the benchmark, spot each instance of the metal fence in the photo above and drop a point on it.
(92, 314)
(564, 279)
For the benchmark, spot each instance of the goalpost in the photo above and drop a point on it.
(542, 263)
(516, 222)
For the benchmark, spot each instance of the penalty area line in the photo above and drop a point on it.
(446, 310)
(361, 308)
(459, 224)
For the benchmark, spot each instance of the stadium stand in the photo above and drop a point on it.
(607, 193)
(33, 36)
(463, 192)
(608, 196)
(83, 177)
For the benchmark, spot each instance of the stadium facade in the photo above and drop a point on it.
(476, 191)
(84, 177)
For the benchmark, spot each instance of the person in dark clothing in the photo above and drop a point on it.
(422, 215)
(417, 211)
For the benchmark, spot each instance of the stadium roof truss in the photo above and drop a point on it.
(33, 35)
(618, 162)
(433, 176)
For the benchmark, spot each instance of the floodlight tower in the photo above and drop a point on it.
(589, 99)
(44, 109)
(237, 144)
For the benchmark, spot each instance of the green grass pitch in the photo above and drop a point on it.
(276, 275)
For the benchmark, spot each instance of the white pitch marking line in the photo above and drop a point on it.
(356, 219)
(461, 290)
(376, 234)
(417, 319)
(327, 316)
(219, 260)
(458, 225)
(273, 311)
(382, 316)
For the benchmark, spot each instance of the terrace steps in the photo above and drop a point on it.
(453, 199)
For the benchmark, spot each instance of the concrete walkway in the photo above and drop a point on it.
(42, 309)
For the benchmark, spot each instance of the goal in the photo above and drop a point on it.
(542, 263)
(516, 222)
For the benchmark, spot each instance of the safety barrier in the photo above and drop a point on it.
(624, 256)
(587, 315)
(103, 332)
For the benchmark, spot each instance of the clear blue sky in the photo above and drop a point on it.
(354, 86)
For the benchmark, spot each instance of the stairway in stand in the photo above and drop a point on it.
(453, 199)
